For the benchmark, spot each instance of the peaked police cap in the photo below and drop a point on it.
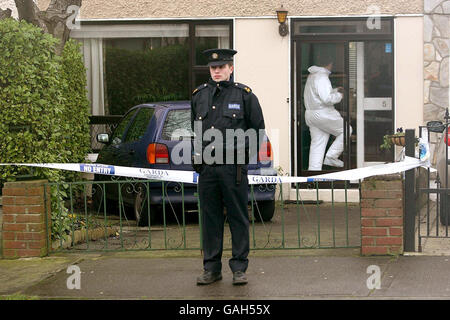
(218, 57)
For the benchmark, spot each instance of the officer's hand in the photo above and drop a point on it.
(340, 90)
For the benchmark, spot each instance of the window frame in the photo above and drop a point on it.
(194, 70)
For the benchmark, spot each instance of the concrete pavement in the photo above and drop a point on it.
(273, 274)
(307, 274)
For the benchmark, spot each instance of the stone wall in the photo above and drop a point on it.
(436, 56)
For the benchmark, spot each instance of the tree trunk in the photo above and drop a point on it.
(54, 20)
(27, 11)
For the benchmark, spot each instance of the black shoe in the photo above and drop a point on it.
(239, 278)
(209, 277)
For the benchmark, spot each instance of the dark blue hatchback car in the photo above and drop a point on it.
(146, 137)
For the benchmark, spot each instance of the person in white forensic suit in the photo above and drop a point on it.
(322, 118)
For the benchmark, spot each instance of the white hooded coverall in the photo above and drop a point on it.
(322, 118)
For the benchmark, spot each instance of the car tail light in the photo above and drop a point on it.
(265, 152)
(157, 153)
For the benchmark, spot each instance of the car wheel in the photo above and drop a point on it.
(264, 210)
(445, 210)
(140, 210)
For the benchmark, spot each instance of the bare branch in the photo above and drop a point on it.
(53, 20)
(62, 5)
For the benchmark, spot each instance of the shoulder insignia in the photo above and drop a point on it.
(200, 87)
(243, 87)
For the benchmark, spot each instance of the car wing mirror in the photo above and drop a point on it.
(435, 126)
(103, 137)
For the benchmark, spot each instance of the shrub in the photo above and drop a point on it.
(43, 106)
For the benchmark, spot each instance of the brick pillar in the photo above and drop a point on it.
(382, 215)
(24, 224)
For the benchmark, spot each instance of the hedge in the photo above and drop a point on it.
(44, 109)
(43, 106)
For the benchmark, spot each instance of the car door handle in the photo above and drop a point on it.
(131, 152)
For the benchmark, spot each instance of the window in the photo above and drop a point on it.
(120, 130)
(140, 62)
(210, 36)
(140, 70)
(365, 26)
(177, 125)
(140, 124)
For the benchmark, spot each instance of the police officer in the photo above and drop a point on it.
(218, 105)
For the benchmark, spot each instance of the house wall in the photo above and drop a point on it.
(263, 65)
(103, 9)
(409, 72)
(5, 4)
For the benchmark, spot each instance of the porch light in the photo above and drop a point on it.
(282, 17)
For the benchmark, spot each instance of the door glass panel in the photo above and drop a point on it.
(365, 71)
(371, 91)
(319, 136)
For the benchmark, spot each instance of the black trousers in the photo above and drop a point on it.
(217, 188)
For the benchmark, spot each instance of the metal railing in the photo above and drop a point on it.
(102, 216)
(433, 219)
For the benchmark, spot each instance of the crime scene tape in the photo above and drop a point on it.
(192, 177)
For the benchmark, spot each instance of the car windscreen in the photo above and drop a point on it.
(177, 125)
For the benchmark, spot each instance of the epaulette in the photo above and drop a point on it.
(243, 87)
(200, 87)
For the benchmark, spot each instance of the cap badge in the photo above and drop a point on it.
(215, 55)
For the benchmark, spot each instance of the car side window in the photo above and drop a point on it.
(177, 125)
(139, 125)
(116, 137)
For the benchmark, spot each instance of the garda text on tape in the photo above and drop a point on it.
(192, 177)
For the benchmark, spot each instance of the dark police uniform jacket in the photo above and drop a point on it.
(226, 105)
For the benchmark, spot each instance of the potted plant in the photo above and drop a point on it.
(397, 139)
